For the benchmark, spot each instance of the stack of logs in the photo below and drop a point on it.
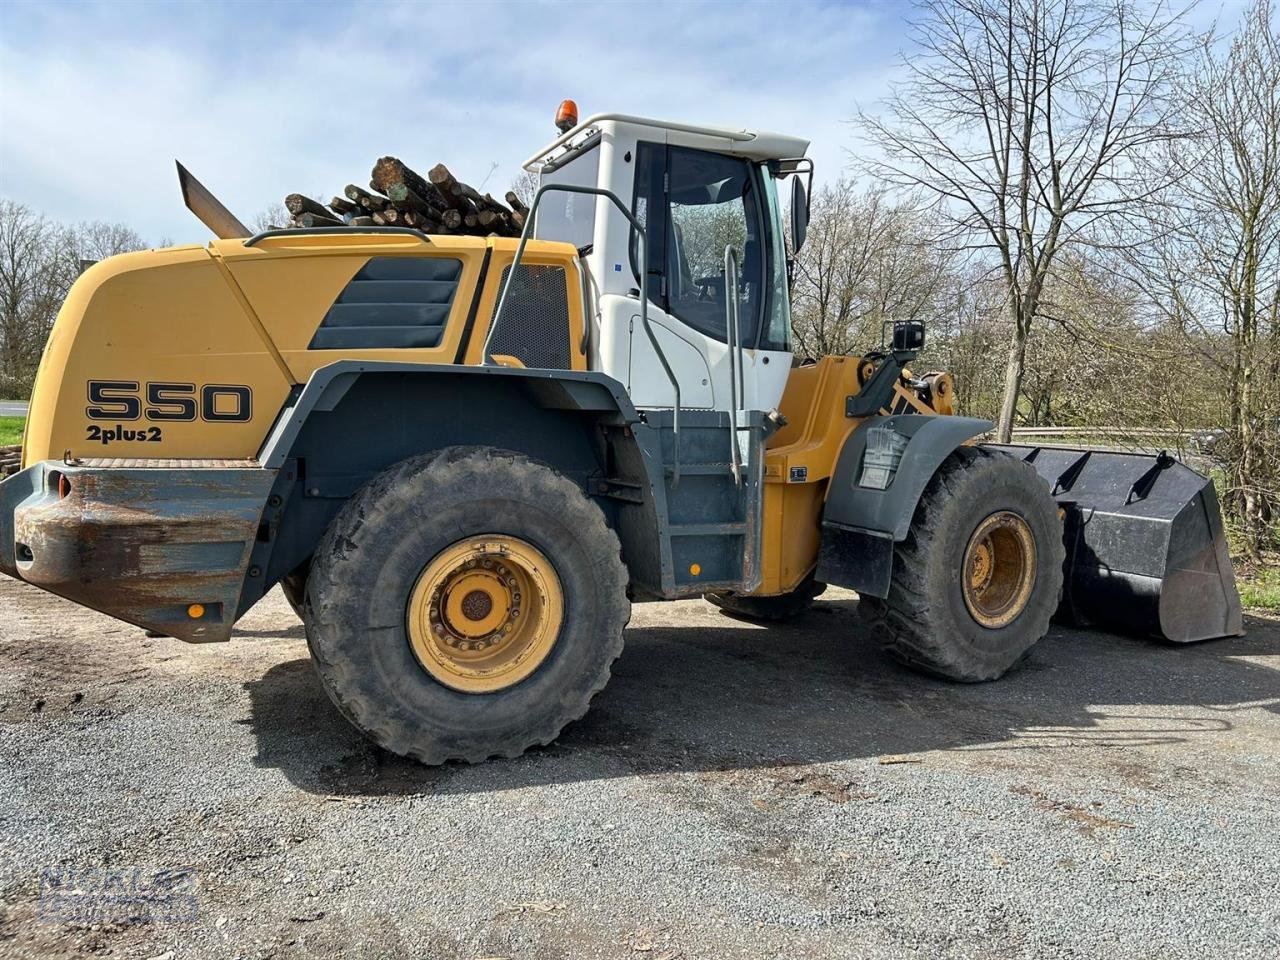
(10, 459)
(398, 197)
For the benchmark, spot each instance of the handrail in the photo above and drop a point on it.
(309, 231)
(638, 228)
(735, 356)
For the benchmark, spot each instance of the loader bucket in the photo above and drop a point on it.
(1146, 551)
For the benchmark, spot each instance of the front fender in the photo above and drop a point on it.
(859, 524)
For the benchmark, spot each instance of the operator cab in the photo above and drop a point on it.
(708, 201)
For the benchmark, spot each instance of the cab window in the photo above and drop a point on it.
(570, 217)
(694, 204)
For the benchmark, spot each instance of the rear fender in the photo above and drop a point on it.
(356, 418)
(859, 524)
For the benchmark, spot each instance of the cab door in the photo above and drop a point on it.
(695, 204)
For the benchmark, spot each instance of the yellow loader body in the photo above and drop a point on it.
(190, 352)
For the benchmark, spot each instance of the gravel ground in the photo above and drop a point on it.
(735, 792)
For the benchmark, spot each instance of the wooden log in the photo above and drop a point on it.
(517, 219)
(391, 217)
(380, 218)
(494, 206)
(471, 221)
(443, 180)
(297, 204)
(457, 194)
(407, 199)
(513, 201)
(342, 206)
(451, 219)
(362, 222)
(310, 220)
(425, 223)
(451, 187)
(394, 178)
(497, 222)
(368, 201)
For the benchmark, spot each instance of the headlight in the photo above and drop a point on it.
(882, 456)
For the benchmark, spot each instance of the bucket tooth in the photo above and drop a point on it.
(1146, 552)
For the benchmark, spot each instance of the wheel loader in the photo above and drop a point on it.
(464, 458)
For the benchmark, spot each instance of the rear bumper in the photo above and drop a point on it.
(139, 542)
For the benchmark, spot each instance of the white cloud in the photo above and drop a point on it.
(261, 100)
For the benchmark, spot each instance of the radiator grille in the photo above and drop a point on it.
(534, 326)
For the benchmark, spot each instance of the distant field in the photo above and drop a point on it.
(11, 430)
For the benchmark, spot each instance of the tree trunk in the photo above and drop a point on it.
(1013, 370)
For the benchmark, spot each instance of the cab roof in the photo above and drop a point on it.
(752, 144)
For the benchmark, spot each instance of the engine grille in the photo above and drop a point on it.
(534, 326)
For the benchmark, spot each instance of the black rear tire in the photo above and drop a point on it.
(294, 587)
(784, 606)
(365, 570)
(925, 621)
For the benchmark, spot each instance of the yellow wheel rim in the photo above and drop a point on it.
(485, 613)
(999, 569)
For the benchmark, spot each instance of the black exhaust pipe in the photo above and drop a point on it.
(1146, 550)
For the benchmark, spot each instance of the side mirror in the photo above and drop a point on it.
(908, 336)
(799, 214)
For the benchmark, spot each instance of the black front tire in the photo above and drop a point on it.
(777, 609)
(925, 621)
(364, 572)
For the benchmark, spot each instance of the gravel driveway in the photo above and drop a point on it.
(735, 792)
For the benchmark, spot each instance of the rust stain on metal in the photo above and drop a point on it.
(144, 545)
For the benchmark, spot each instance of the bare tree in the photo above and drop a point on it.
(98, 240)
(32, 284)
(1024, 118)
(866, 260)
(1209, 263)
(272, 216)
(39, 261)
(524, 186)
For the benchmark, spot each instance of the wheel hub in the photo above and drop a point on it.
(476, 605)
(999, 569)
(485, 613)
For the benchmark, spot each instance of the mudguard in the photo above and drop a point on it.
(859, 524)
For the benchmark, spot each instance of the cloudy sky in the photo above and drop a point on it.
(260, 99)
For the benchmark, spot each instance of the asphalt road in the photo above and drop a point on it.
(13, 408)
(734, 792)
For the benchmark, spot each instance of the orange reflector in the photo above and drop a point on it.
(695, 569)
(566, 116)
(195, 611)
